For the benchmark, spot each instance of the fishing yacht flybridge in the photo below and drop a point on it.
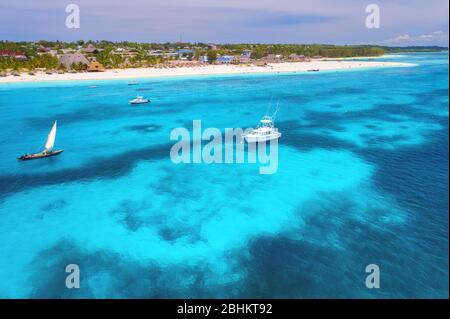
(265, 131)
(139, 100)
(48, 149)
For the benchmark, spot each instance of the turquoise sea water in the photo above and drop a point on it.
(362, 179)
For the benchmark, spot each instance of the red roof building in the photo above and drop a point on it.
(13, 54)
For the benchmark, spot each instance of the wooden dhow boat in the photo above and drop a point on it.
(48, 149)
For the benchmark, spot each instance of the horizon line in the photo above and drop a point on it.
(225, 43)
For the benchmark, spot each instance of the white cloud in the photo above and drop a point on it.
(408, 39)
(426, 36)
(436, 35)
(400, 38)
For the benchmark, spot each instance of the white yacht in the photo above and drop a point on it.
(139, 100)
(264, 132)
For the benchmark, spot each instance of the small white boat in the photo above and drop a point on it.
(139, 100)
(264, 132)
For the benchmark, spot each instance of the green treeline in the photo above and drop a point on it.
(139, 54)
(311, 50)
(45, 61)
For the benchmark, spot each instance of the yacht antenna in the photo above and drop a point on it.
(276, 110)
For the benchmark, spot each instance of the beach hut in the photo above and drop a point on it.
(91, 49)
(95, 66)
(260, 63)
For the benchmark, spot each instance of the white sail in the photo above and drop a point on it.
(51, 139)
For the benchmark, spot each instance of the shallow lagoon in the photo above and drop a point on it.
(362, 178)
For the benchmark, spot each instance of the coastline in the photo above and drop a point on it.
(136, 73)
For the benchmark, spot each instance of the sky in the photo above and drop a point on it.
(402, 22)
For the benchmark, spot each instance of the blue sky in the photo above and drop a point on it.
(413, 22)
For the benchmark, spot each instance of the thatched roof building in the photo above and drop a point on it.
(95, 66)
(69, 59)
(91, 49)
(260, 63)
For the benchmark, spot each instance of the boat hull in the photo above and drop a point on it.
(137, 103)
(260, 139)
(39, 155)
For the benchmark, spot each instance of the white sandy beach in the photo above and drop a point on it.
(320, 65)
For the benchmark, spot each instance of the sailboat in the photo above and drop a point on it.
(48, 148)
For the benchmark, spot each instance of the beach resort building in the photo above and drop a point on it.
(244, 60)
(274, 58)
(70, 59)
(296, 57)
(13, 54)
(203, 59)
(226, 59)
(184, 54)
(95, 66)
(156, 53)
(260, 63)
(91, 49)
(42, 49)
(246, 53)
